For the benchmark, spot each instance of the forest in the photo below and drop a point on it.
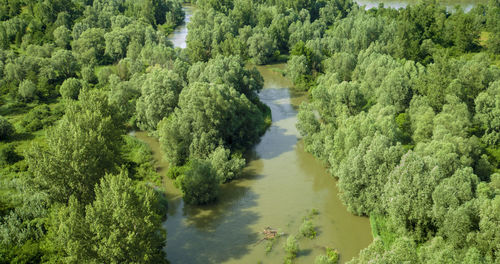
(403, 110)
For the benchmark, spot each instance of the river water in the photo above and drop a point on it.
(279, 187)
(449, 4)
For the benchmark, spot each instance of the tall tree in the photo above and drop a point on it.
(79, 150)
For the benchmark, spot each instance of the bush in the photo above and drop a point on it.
(38, 118)
(175, 172)
(200, 184)
(331, 257)
(27, 90)
(291, 248)
(6, 128)
(8, 155)
(70, 88)
(307, 229)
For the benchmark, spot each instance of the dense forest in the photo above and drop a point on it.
(404, 111)
(75, 78)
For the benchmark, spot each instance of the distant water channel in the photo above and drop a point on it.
(280, 185)
(450, 5)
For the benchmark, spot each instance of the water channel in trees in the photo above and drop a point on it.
(280, 185)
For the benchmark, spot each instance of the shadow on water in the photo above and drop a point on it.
(304, 252)
(206, 231)
(274, 143)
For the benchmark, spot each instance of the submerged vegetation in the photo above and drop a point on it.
(404, 111)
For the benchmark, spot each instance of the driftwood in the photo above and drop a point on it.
(269, 234)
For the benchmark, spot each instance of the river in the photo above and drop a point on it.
(280, 185)
(450, 5)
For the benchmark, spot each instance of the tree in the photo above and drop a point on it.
(488, 237)
(227, 166)
(421, 119)
(200, 184)
(80, 150)
(487, 112)
(408, 194)
(403, 250)
(27, 90)
(229, 70)
(70, 88)
(62, 37)
(160, 93)
(452, 211)
(90, 46)
(64, 63)
(395, 89)
(209, 115)
(363, 174)
(120, 225)
(261, 47)
(299, 71)
(125, 225)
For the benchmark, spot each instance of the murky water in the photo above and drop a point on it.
(280, 185)
(178, 37)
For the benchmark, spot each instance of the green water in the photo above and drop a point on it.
(280, 185)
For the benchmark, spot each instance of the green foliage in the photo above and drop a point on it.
(200, 184)
(307, 229)
(70, 88)
(487, 112)
(209, 115)
(80, 149)
(227, 166)
(27, 90)
(120, 225)
(51, 48)
(160, 93)
(8, 154)
(40, 117)
(6, 129)
(363, 174)
(291, 248)
(331, 257)
(390, 81)
(138, 159)
(175, 172)
(89, 47)
(381, 230)
(62, 37)
(261, 48)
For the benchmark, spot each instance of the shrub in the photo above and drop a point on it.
(6, 128)
(307, 229)
(8, 155)
(331, 257)
(27, 90)
(38, 118)
(291, 248)
(175, 171)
